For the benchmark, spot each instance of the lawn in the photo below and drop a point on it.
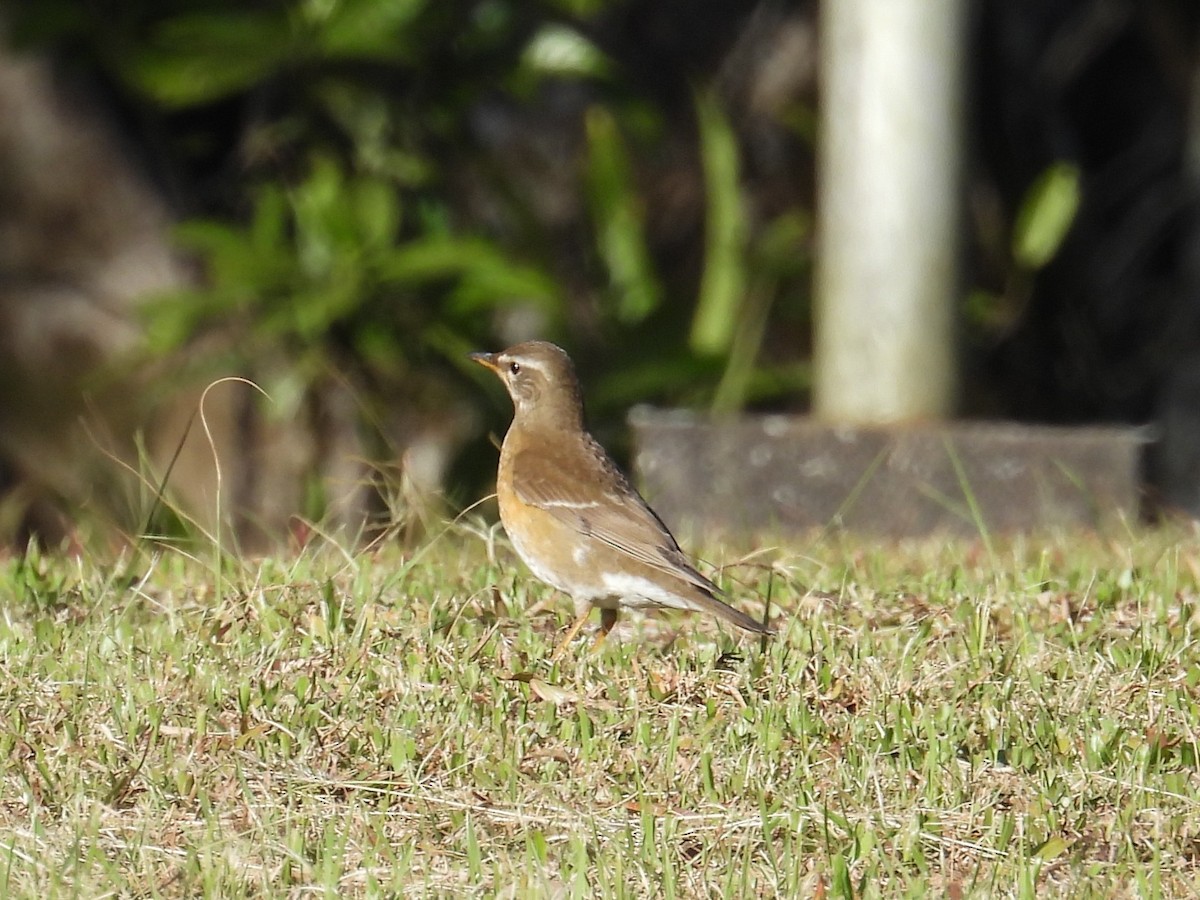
(1008, 718)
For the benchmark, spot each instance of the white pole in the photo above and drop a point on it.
(888, 209)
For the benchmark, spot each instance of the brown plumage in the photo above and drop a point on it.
(572, 515)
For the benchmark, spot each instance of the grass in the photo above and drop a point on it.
(933, 718)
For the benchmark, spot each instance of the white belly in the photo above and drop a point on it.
(632, 590)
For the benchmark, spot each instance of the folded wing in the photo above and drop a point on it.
(617, 517)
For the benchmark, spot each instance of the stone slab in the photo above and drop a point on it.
(786, 473)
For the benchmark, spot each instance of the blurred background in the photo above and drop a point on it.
(339, 199)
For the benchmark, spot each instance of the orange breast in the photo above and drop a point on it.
(554, 552)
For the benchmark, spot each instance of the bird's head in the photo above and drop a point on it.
(541, 380)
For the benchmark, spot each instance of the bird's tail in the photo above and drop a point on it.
(706, 602)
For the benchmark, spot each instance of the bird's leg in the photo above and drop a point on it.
(580, 618)
(608, 618)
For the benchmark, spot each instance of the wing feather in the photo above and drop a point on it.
(563, 482)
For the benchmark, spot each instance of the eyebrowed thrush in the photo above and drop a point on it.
(572, 516)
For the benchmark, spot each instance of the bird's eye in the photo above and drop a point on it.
(514, 368)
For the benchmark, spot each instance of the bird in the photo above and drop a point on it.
(572, 515)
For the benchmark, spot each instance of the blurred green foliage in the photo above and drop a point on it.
(619, 217)
(1046, 214)
(351, 199)
(1043, 221)
(725, 233)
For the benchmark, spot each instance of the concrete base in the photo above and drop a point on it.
(791, 473)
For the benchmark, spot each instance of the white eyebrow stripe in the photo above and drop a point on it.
(527, 363)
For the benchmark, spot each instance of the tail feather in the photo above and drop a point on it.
(707, 603)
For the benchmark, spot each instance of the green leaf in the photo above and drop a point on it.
(501, 286)
(842, 886)
(580, 8)
(323, 217)
(1046, 214)
(377, 212)
(1051, 849)
(268, 227)
(370, 29)
(429, 259)
(619, 219)
(723, 280)
(171, 318)
(781, 250)
(199, 58)
(565, 53)
(228, 257)
(488, 277)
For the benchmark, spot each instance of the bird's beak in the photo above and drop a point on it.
(488, 360)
